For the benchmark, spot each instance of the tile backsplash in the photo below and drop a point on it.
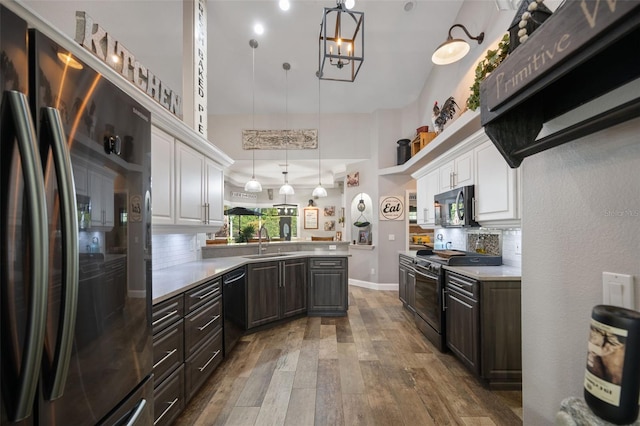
(174, 249)
(506, 242)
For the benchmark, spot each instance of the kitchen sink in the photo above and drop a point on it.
(265, 255)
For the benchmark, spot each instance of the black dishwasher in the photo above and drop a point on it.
(234, 307)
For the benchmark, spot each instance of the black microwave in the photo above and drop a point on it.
(455, 208)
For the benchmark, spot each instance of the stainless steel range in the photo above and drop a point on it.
(429, 293)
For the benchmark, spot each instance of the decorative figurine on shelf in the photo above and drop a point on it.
(444, 114)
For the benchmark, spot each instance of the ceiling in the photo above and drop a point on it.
(398, 48)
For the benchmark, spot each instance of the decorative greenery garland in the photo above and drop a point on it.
(522, 33)
(484, 67)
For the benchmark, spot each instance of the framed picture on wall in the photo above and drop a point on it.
(363, 237)
(330, 225)
(310, 218)
(339, 236)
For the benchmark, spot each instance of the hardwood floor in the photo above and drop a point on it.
(370, 368)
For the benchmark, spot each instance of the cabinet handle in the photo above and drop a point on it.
(461, 302)
(208, 294)
(215, 354)
(209, 323)
(164, 358)
(169, 315)
(166, 410)
(425, 214)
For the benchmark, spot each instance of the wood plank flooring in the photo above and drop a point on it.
(372, 367)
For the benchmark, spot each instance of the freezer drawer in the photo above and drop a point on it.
(136, 410)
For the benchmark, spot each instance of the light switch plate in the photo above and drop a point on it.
(618, 290)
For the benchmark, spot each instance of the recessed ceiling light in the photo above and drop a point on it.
(258, 29)
(284, 4)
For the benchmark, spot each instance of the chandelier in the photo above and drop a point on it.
(341, 43)
(253, 185)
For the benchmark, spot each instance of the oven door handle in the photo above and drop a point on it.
(444, 299)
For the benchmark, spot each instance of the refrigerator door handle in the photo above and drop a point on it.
(15, 114)
(69, 219)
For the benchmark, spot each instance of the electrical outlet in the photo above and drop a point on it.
(332, 246)
(392, 237)
(373, 271)
(518, 249)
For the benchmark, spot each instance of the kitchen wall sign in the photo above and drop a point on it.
(577, 55)
(96, 40)
(280, 139)
(392, 208)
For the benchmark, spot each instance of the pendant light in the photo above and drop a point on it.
(286, 189)
(319, 191)
(253, 185)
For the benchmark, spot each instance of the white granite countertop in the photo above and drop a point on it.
(481, 273)
(488, 273)
(174, 280)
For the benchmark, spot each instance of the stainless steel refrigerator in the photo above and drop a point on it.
(75, 296)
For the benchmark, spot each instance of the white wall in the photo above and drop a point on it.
(581, 216)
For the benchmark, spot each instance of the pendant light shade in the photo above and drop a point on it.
(319, 191)
(286, 189)
(253, 185)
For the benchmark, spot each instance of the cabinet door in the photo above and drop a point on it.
(80, 179)
(495, 190)
(162, 172)
(501, 331)
(402, 284)
(427, 188)
(446, 176)
(463, 170)
(462, 329)
(101, 194)
(189, 185)
(263, 293)
(294, 287)
(215, 194)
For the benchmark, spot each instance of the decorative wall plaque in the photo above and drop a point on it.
(280, 139)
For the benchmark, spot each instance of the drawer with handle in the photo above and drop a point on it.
(168, 399)
(166, 313)
(324, 263)
(168, 351)
(202, 324)
(202, 294)
(202, 363)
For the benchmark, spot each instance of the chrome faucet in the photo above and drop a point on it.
(262, 228)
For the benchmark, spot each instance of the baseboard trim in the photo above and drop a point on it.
(373, 286)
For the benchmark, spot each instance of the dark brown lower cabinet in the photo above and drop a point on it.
(168, 398)
(483, 328)
(328, 292)
(187, 342)
(276, 290)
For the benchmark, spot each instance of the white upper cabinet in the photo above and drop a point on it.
(457, 172)
(475, 161)
(496, 186)
(101, 192)
(188, 186)
(214, 191)
(427, 187)
(163, 175)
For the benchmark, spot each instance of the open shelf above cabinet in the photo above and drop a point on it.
(461, 128)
